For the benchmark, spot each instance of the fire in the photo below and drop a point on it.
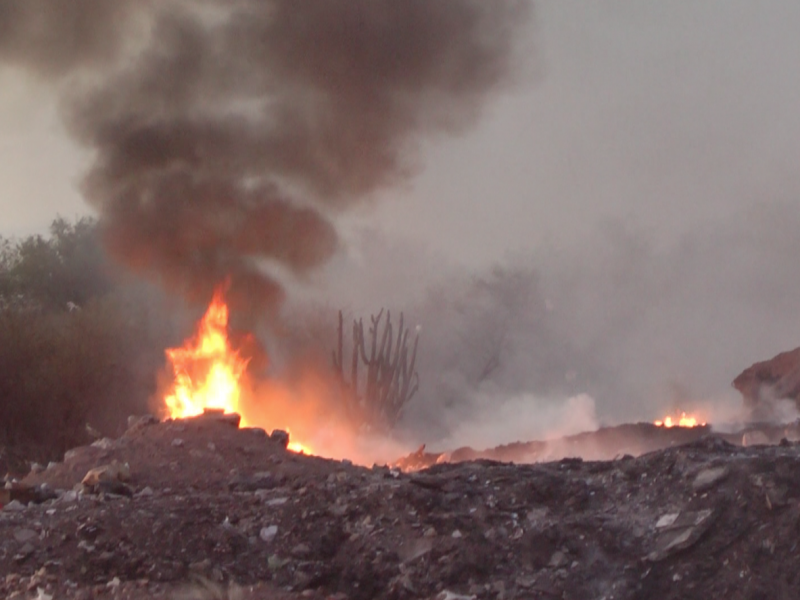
(207, 370)
(298, 447)
(683, 421)
(208, 373)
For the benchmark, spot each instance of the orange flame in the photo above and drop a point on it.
(208, 373)
(683, 421)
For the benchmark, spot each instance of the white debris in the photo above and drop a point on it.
(666, 520)
(268, 534)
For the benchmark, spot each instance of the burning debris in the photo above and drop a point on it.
(683, 420)
(209, 376)
(207, 370)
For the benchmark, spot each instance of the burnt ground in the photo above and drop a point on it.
(240, 516)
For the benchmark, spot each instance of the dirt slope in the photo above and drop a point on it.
(705, 520)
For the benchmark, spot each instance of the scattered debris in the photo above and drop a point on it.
(707, 519)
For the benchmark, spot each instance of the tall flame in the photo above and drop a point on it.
(207, 371)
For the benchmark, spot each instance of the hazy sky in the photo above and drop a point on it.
(661, 114)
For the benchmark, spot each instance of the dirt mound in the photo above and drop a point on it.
(777, 378)
(204, 501)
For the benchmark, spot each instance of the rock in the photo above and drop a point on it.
(177, 443)
(301, 551)
(275, 562)
(25, 535)
(111, 472)
(277, 502)
(145, 492)
(218, 415)
(456, 535)
(557, 560)
(666, 520)
(36, 468)
(14, 506)
(267, 534)
(339, 509)
(136, 423)
(708, 478)
(525, 582)
(103, 443)
(69, 496)
(415, 549)
(255, 431)
(682, 533)
(280, 437)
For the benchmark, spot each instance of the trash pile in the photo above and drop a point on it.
(202, 508)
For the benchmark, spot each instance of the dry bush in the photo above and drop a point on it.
(62, 371)
(68, 363)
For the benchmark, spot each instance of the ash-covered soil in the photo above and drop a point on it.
(217, 510)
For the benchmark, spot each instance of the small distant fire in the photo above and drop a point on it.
(208, 373)
(683, 420)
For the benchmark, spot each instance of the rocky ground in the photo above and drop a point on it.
(204, 509)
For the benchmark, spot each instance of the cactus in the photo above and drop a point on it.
(390, 380)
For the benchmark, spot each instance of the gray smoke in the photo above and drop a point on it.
(227, 134)
(616, 329)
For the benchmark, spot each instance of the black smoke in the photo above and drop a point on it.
(227, 133)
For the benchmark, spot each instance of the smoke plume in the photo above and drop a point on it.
(227, 134)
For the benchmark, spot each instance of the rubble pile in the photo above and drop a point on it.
(232, 512)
